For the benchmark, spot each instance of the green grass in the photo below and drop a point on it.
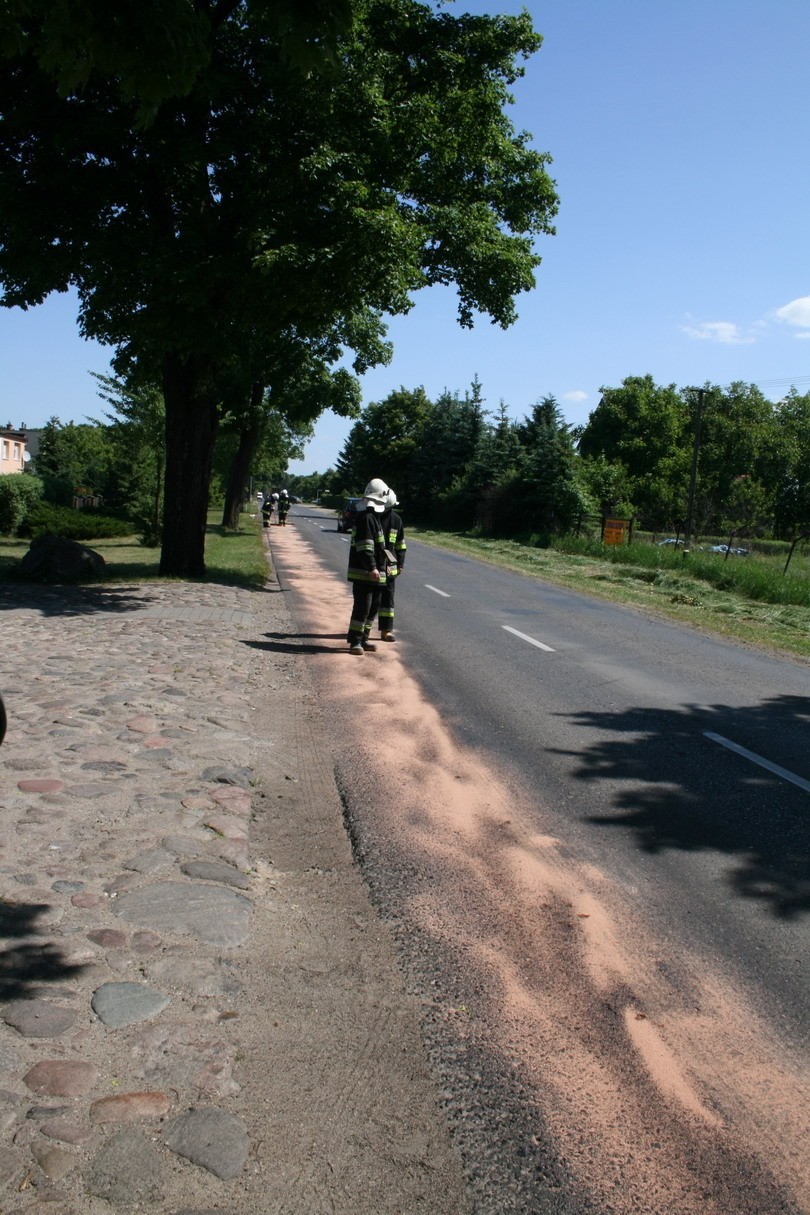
(233, 558)
(696, 591)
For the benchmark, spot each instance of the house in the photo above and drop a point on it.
(13, 453)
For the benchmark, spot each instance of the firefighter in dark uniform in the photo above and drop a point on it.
(283, 507)
(394, 534)
(367, 565)
(267, 510)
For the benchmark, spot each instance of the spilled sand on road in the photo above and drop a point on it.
(662, 1096)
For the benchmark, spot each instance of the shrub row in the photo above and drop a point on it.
(44, 518)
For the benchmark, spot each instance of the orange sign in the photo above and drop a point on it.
(614, 531)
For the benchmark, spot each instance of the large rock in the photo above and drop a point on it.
(54, 559)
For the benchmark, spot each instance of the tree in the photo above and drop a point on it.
(292, 385)
(180, 169)
(549, 497)
(744, 508)
(736, 424)
(73, 456)
(646, 427)
(260, 448)
(445, 446)
(608, 484)
(790, 466)
(383, 442)
(137, 439)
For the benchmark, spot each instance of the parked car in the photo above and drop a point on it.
(348, 515)
(723, 548)
(669, 540)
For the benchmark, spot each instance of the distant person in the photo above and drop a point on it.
(283, 507)
(395, 546)
(367, 565)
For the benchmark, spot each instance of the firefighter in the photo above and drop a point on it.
(367, 565)
(394, 534)
(283, 507)
(267, 510)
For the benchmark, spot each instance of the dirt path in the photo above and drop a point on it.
(652, 1084)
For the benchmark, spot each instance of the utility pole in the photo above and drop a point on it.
(690, 508)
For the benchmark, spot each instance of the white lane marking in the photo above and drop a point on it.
(757, 759)
(531, 640)
(436, 591)
(346, 539)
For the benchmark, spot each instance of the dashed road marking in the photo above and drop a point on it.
(436, 591)
(799, 781)
(531, 640)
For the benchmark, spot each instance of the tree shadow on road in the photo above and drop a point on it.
(71, 600)
(679, 790)
(27, 958)
(278, 646)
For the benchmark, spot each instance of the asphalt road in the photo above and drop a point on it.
(677, 763)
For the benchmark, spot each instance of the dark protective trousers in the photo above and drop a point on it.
(364, 609)
(386, 613)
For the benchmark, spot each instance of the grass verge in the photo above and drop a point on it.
(232, 558)
(673, 593)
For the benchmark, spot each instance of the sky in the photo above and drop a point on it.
(679, 136)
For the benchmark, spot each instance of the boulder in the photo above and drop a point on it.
(54, 559)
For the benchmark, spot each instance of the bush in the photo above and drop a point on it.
(18, 494)
(44, 518)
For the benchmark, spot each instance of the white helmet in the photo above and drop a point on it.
(392, 499)
(274, 497)
(375, 495)
(284, 493)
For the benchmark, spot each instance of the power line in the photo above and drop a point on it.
(789, 380)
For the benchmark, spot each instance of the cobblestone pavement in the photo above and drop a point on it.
(192, 979)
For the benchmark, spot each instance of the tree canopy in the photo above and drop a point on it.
(209, 194)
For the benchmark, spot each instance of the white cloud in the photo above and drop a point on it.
(726, 332)
(797, 313)
(578, 395)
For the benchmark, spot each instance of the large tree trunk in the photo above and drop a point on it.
(242, 460)
(191, 426)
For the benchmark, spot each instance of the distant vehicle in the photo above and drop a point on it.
(348, 515)
(669, 540)
(724, 548)
(294, 499)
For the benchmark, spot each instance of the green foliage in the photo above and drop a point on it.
(138, 452)
(644, 427)
(446, 444)
(607, 483)
(18, 495)
(384, 441)
(75, 456)
(45, 518)
(327, 196)
(788, 459)
(306, 487)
